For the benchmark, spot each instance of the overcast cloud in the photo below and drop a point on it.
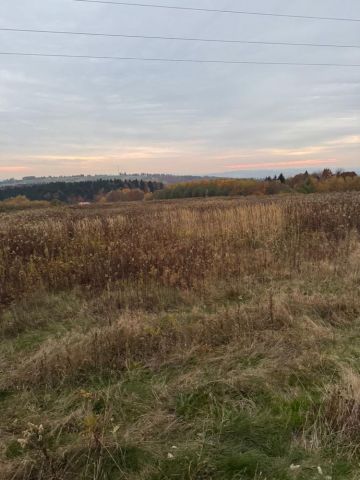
(66, 116)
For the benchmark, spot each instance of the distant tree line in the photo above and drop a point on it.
(66, 192)
(325, 181)
(146, 177)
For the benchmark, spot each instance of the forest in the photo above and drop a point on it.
(322, 182)
(74, 192)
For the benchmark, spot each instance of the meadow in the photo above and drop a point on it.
(211, 338)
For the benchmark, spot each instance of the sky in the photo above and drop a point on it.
(74, 116)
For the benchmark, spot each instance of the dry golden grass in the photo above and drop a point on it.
(213, 339)
(174, 244)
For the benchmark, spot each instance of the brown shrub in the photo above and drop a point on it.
(184, 244)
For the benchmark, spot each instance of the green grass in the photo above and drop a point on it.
(249, 407)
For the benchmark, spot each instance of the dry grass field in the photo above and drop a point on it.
(190, 340)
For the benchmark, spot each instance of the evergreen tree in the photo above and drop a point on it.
(282, 178)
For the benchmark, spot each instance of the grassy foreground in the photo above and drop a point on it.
(209, 339)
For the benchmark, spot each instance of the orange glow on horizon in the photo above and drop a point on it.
(14, 169)
(288, 164)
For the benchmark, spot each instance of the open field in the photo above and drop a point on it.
(200, 339)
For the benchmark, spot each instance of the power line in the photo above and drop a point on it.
(187, 39)
(217, 10)
(175, 60)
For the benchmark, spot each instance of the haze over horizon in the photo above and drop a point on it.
(76, 116)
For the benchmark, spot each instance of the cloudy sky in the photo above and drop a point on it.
(69, 116)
